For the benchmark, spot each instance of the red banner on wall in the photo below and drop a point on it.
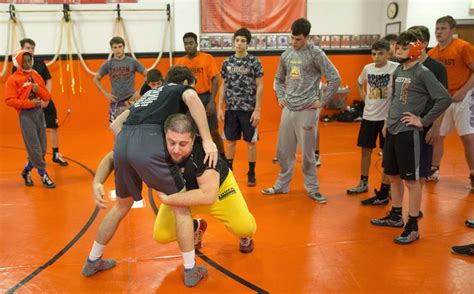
(264, 16)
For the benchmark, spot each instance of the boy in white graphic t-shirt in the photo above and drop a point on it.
(378, 78)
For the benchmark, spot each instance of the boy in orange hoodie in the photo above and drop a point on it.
(24, 91)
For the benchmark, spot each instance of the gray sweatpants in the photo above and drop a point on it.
(297, 127)
(33, 130)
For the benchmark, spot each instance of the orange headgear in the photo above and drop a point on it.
(416, 48)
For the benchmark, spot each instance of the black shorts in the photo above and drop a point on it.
(426, 157)
(205, 98)
(238, 122)
(401, 155)
(140, 155)
(368, 133)
(51, 115)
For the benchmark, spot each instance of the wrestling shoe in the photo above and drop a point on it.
(251, 180)
(92, 267)
(318, 197)
(199, 233)
(433, 176)
(391, 220)
(378, 199)
(469, 223)
(194, 275)
(47, 182)
(362, 187)
(58, 158)
(26, 175)
(466, 250)
(246, 245)
(318, 159)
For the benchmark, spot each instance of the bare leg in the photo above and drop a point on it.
(251, 151)
(468, 142)
(184, 228)
(54, 137)
(230, 151)
(397, 190)
(385, 179)
(365, 161)
(438, 149)
(111, 221)
(414, 192)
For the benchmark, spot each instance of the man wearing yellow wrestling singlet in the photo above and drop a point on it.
(212, 191)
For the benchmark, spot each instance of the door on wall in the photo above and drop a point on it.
(466, 32)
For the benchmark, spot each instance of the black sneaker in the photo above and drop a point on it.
(391, 220)
(469, 223)
(47, 182)
(26, 175)
(251, 181)
(378, 199)
(58, 158)
(466, 250)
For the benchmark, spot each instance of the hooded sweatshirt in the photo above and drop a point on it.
(19, 85)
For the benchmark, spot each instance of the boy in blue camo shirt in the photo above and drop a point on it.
(241, 91)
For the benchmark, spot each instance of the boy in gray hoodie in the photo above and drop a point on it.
(297, 88)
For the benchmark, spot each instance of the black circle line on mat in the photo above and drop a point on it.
(68, 246)
(210, 261)
(89, 223)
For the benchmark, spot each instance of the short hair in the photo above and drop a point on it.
(381, 44)
(301, 26)
(154, 75)
(26, 41)
(423, 32)
(190, 35)
(407, 37)
(179, 74)
(117, 40)
(243, 32)
(390, 37)
(180, 123)
(447, 19)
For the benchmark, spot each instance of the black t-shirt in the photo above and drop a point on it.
(145, 88)
(156, 105)
(439, 71)
(40, 68)
(194, 166)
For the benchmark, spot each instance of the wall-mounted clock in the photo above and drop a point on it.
(392, 10)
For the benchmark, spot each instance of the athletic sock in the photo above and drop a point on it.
(316, 152)
(55, 150)
(29, 166)
(251, 167)
(364, 178)
(96, 252)
(396, 211)
(188, 259)
(41, 171)
(384, 189)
